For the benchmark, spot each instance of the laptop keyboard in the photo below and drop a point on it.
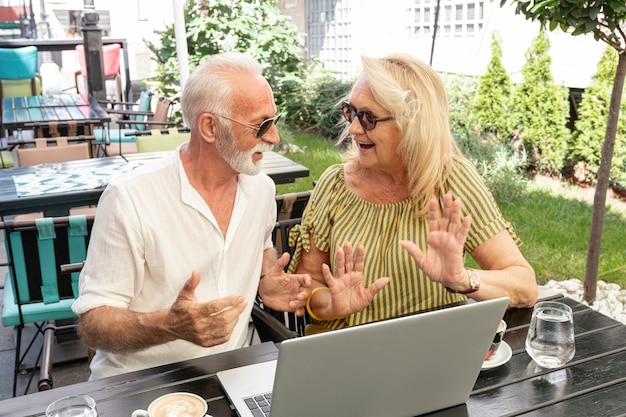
(259, 405)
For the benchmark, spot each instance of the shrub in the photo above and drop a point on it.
(311, 102)
(501, 168)
(588, 138)
(461, 91)
(541, 110)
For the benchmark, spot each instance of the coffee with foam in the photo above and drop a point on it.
(178, 404)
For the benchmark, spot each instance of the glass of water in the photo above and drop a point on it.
(550, 340)
(73, 406)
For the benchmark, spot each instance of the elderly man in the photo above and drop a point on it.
(179, 247)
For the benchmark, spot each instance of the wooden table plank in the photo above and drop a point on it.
(536, 392)
(120, 395)
(600, 403)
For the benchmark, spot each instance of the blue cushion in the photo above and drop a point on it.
(18, 63)
(34, 312)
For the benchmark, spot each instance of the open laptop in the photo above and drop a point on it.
(399, 367)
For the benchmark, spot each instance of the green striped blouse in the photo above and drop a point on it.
(335, 215)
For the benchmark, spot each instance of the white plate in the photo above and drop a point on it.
(501, 357)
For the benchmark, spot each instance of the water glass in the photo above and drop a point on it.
(73, 406)
(550, 340)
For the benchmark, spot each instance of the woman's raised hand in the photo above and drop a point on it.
(443, 259)
(348, 292)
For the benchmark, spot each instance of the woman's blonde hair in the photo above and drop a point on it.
(415, 96)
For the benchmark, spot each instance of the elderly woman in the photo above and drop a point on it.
(396, 220)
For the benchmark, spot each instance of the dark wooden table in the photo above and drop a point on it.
(592, 384)
(60, 110)
(279, 168)
(54, 45)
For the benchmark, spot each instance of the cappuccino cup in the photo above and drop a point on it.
(177, 404)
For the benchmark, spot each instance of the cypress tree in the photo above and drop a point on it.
(541, 110)
(490, 110)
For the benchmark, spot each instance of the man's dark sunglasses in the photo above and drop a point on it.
(261, 129)
(366, 117)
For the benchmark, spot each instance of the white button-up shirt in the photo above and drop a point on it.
(151, 231)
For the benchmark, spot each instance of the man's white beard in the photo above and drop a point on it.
(240, 161)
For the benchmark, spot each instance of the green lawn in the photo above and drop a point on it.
(555, 230)
(315, 153)
(553, 226)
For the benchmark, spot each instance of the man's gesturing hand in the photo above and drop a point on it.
(205, 324)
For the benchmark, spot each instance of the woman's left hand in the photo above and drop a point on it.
(443, 259)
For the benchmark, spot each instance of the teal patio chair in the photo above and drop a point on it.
(123, 139)
(35, 291)
(18, 74)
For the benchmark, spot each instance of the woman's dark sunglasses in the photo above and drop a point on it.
(261, 129)
(366, 117)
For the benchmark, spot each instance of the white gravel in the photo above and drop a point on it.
(610, 298)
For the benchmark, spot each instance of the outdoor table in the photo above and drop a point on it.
(69, 44)
(592, 384)
(81, 182)
(53, 112)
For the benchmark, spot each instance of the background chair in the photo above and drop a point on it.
(288, 206)
(18, 74)
(35, 291)
(276, 326)
(62, 152)
(158, 140)
(269, 324)
(111, 63)
(6, 159)
(123, 137)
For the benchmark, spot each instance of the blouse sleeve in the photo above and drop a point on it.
(317, 217)
(465, 183)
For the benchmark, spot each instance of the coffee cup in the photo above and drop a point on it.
(74, 405)
(495, 344)
(176, 404)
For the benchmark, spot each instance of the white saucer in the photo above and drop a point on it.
(501, 357)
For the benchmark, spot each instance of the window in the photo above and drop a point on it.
(328, 33)
(456, 17)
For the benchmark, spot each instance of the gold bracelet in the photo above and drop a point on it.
(308, 302)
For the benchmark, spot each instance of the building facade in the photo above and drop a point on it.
(338, 32)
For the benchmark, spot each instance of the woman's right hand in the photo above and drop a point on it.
(347, 289)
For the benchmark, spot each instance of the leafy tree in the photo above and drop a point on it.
(605, 19)
(541, 110)
(586, 145)
(490, 110)
(256, 27)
